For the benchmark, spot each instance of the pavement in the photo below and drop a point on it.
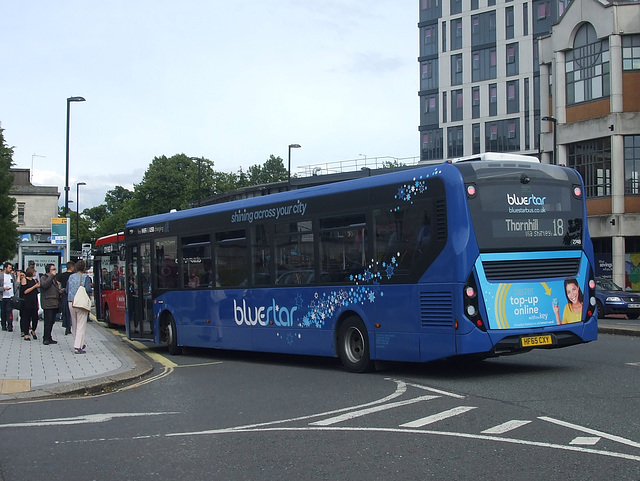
(32, 370)
(29, 369)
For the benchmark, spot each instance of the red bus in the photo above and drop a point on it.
(109, 279)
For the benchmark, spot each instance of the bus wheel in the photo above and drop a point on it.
(107, 316)
(172, 338)
(353, 345)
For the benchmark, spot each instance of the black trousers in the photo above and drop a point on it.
(7, 314)
(49, 321)
(28, 320)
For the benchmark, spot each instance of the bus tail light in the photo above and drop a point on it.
(592, 297)
(471, 304)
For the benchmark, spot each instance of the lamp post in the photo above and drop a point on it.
(66, 184)
(78, 212)
(555, 145)
(291, 146)
(199, 175)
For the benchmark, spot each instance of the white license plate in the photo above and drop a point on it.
(634, 306)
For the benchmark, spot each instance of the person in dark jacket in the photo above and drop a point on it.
(29, 313)
(50, 299)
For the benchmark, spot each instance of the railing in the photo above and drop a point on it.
(361, 163)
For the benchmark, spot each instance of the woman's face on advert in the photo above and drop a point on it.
(573, 292)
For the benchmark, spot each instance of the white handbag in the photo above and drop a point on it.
(81, 300)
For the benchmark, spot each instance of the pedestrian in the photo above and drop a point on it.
(50, 298)
(64, 304)
(10, 288)
(29, 314)
(78, 316)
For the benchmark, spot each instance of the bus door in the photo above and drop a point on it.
(139, 300)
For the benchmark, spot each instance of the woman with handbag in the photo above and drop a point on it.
(29, 313)
(78, 291)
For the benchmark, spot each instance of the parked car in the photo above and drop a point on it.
(613, 299)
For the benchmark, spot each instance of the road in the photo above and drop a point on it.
(564, 414)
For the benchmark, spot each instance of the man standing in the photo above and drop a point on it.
(9, 289)
(66, 315)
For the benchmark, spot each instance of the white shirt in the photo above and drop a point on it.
(8, 281)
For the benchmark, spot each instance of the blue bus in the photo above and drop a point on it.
(482, 256)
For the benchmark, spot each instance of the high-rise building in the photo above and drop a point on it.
(487, 71)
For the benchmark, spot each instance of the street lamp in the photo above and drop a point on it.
(555, 145)
(66, 184)
(291, 146)
(199, 175)
(78, 212)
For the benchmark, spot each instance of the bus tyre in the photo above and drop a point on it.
(353, 345)
(172, 338)
(600, 309)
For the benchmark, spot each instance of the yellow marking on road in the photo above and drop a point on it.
(159, 358)
(201, 364)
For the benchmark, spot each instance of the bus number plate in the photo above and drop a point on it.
(533, 341)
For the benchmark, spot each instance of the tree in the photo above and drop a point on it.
(273, 170)
(8, 227)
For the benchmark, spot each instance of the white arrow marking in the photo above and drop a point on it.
(87, 419)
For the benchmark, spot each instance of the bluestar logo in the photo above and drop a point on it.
(274, 314)
(513, 199)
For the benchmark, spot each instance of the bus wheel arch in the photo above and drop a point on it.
(352, 343)
(169, 333)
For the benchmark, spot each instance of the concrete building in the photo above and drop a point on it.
(35, 207)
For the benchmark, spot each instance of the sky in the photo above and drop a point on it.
(230, 81)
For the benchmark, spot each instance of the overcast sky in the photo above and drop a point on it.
(227, 80)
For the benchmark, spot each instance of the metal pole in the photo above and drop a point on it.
(291, 146)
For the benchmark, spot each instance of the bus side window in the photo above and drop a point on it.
(196, 261)
(231, 258)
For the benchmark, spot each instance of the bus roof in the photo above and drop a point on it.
(110, 239)
(497, 156)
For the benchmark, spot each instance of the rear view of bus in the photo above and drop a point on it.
(532, 283)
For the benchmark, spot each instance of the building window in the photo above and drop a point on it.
(475, 102)
(444, 36)
(544, 10)
(525, 19)
(587, 67)
(592, 158)
(483, 28)
(431, 111)
(432, 144)
(456, 7)
(512, 59)
(456, 69)
(455, 137)
(457, 105)
(493, 99)
(508, 19)
(632, 164)
(456, 34)
(513, 98)
(484, 64)
(502, 136)
(476, 138)
(430, 10)
(631, 52)
(20, 219)
(430, 40)
(562, 6)
(475, 4)
(430, 78)
(444, 107)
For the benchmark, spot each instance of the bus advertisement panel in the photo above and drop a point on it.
(481, 257)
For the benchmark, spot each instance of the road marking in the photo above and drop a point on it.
(585, 441)
(611, 437)
(477, 437)
(633, 364)
(375, 409)
(506, 427)
(87, 419)
(437, 417)
(437, 391)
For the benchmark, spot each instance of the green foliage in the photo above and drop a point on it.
(273, 170)
(8, 227)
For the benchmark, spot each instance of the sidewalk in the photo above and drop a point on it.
(29, 369)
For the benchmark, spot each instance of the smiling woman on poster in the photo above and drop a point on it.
(573, 310)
